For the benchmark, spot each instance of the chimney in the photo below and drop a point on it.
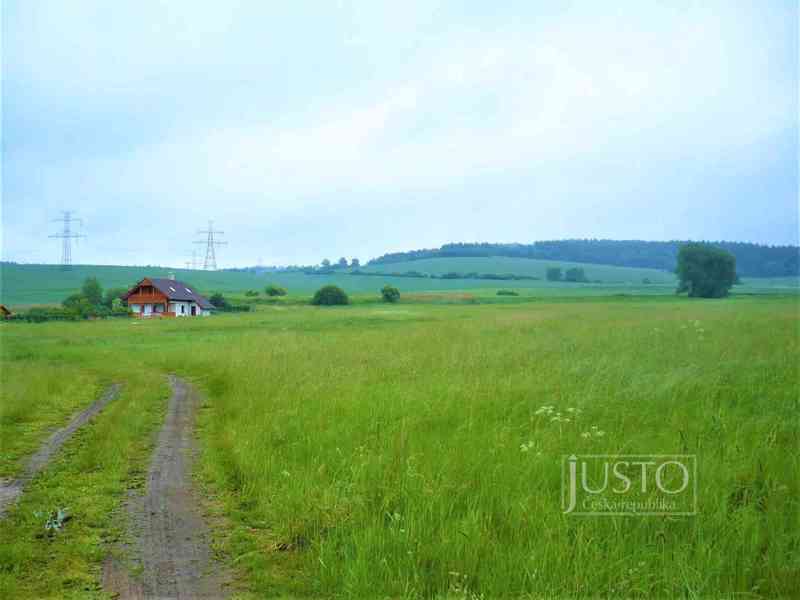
(172, 276)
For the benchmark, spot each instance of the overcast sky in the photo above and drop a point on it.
(308, 130)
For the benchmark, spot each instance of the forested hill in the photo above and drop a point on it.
(752, 260)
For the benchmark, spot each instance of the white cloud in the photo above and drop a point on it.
(501, 102)
(410, 102)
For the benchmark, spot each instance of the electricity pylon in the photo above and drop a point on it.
(67, 235)
(210, 262)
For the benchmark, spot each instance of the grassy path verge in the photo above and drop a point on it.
(89, 478)
(11, 491)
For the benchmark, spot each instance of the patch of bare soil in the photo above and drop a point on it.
(169, 553)
(10, 491)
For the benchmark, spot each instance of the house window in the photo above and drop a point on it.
(183, 308)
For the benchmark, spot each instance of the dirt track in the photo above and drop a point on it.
(9, 492)
(169, 537)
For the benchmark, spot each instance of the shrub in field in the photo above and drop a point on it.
(554, 274)
(330, 295)
(73, 300)
(111, 295)
(274, 290)
(236, 308)
(218, 300)
(507, 293)
(705, 271)
(390, 293)
(251, 293)
(575, 275)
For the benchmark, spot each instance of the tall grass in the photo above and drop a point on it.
(388, 460)
(397, 451)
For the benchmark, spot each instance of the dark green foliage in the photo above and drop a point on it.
(236, 308)
(221, 303)
(90, 302)
(390, 293)
(576, 275)
(274, 290)
(111, 295)
(73, 300)
(251, 293)
(326, 264)
(705, 271)
(218, 300)
(355, 263)
(507, 293)
(92, 291)
(553, 273)
(753, 260)
(342, 264)
(646, 281)
(330, 295)
(42, 314)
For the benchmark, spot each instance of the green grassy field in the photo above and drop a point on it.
(25, 285)
(400, 451)
(524, 266)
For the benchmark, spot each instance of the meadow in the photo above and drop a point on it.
(402, 451)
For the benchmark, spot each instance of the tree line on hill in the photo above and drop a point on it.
(752, 260)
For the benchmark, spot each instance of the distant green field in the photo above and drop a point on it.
(523, 266)
(22, 285)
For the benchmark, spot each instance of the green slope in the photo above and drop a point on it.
(523, 266)
(22, 285)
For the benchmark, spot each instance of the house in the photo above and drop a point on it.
(159, 297)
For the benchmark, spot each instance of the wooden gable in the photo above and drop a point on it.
(146, 293)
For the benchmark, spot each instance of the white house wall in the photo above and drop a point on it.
(175, 307)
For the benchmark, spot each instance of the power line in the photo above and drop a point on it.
(67, 235)
(210, 262)
(192, 264)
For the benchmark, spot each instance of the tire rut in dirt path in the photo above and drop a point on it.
(9, 492)
(169, 545)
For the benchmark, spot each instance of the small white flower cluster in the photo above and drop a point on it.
(697, 328)
(528, 446)
(593, 433)
(548, 410)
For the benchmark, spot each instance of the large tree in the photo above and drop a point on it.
(705, 271)
(92, 291)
